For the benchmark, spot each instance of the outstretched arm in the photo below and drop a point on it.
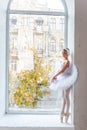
(61, 71)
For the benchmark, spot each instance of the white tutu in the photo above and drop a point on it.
(66, 79)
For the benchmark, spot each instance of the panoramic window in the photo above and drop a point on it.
(36, 35)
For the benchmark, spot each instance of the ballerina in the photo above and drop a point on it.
(65, 79)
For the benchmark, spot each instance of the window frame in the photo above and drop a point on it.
(28, 12)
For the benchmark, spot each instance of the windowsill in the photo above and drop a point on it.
(11, 120)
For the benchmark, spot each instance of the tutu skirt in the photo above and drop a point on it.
(65, 80)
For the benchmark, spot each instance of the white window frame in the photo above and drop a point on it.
(16, 121)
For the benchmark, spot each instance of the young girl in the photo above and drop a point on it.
(65, 79)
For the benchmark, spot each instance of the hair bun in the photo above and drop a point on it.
(68, 50)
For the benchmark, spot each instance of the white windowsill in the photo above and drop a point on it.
(42, 121)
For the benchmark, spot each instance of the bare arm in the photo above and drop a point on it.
(61, 71)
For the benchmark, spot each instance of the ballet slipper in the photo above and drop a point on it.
(62, 116)
(67, 117)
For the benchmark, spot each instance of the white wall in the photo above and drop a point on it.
(3, 6)
(71, 11)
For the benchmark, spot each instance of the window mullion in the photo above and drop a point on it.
(27, 12)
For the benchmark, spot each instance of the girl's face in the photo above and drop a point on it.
(65, 54)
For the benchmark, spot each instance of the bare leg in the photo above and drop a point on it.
(67, 103)
(64, 104)
(64, 101)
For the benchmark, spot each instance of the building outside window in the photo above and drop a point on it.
(52, 23)
(31, 63)
(53, 45)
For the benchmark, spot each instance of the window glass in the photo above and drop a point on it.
(35, 43)
(38, 5)
(31, 37)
